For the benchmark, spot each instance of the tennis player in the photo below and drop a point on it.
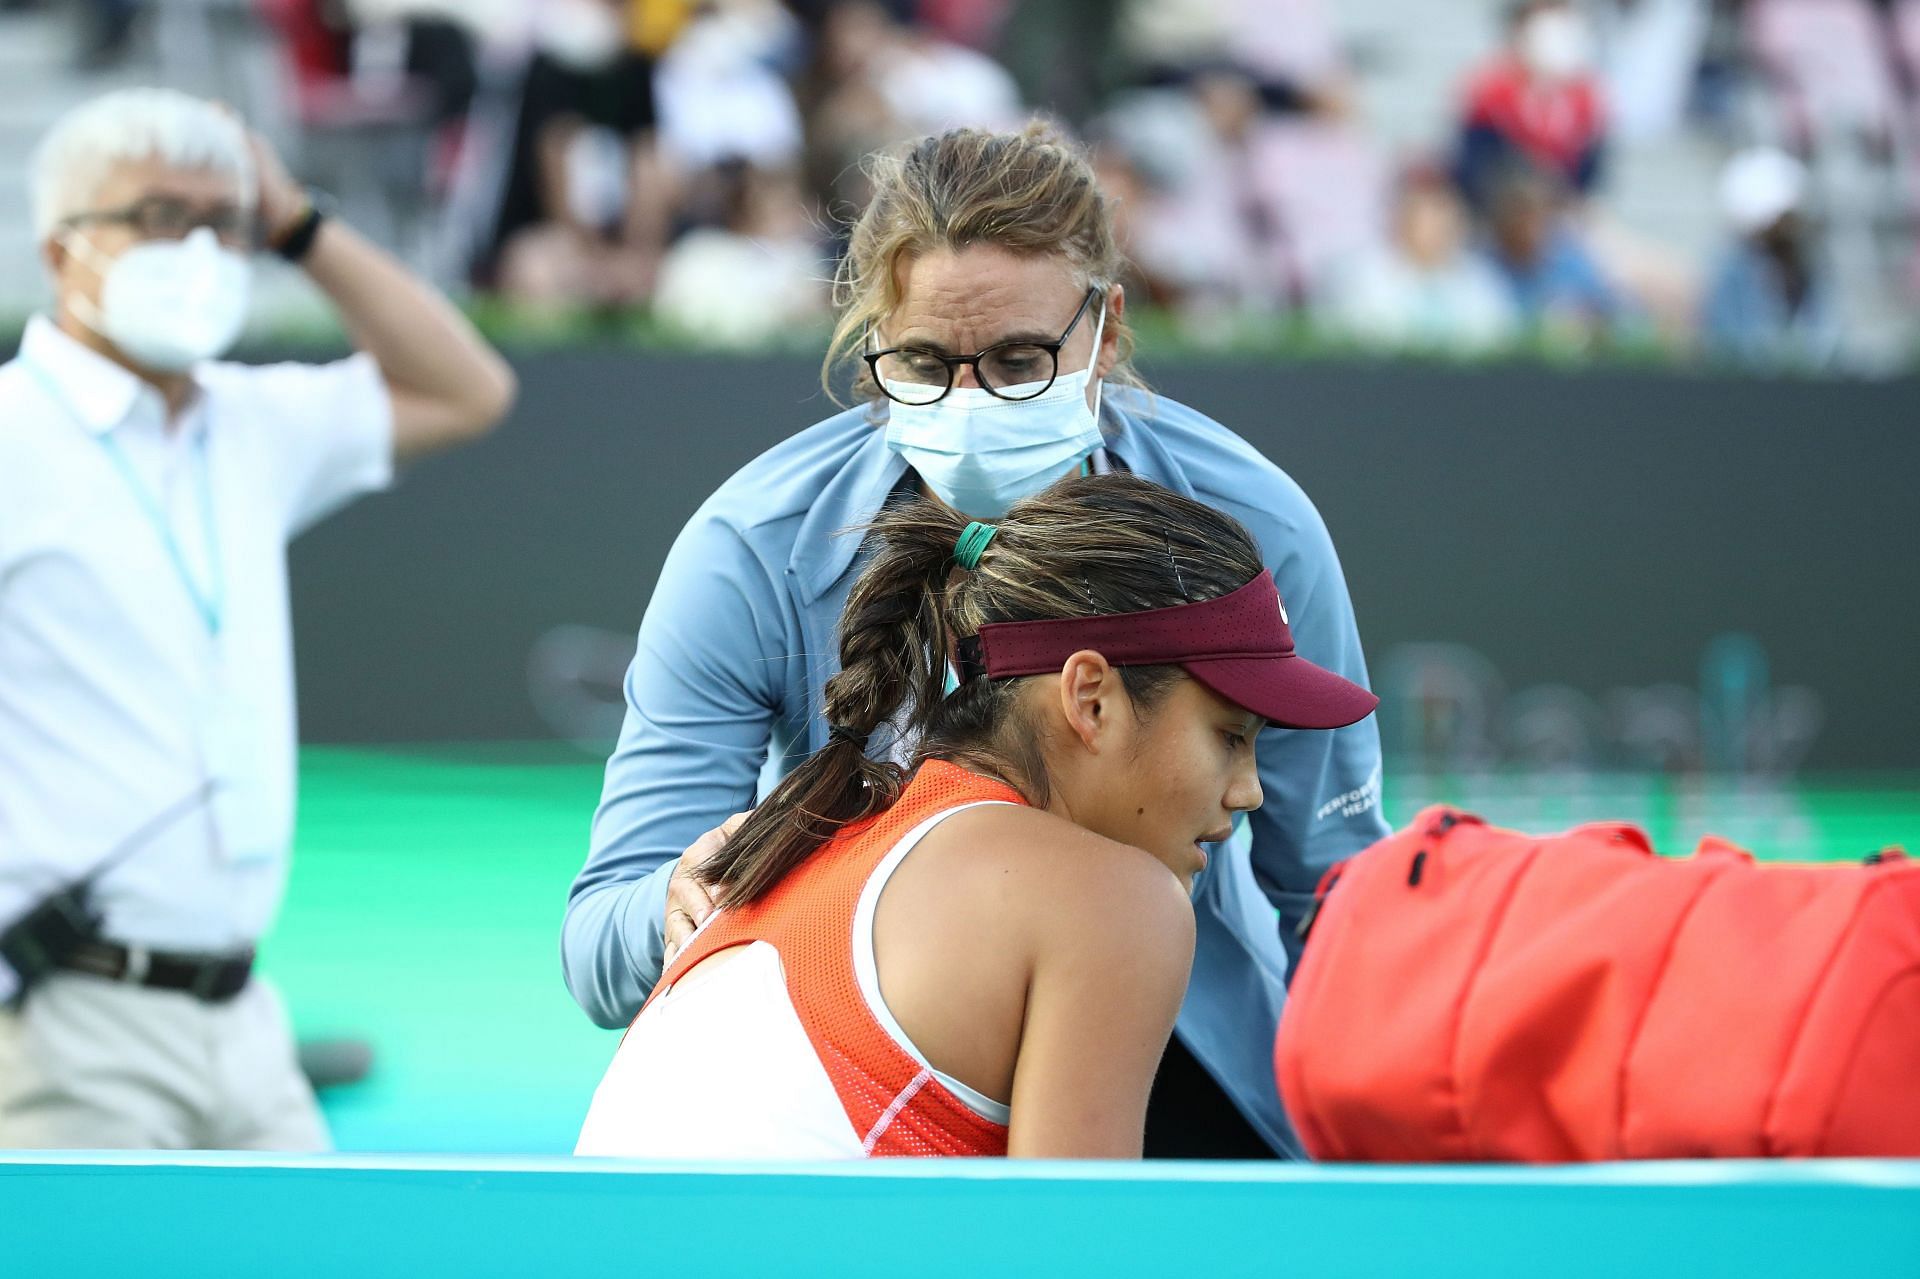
(981, 953)
(981, 314)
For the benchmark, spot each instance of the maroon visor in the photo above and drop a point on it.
(1237, 645)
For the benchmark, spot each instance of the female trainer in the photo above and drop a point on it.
(981, 953)
(979, 303)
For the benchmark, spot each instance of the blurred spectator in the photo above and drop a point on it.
(1323, 183)
(379, 91)
(1537, 101)
(1828, 65)
(1550, 274)
(316, 40)
(758, 275)
(1906, 33)
(1652, 52)
(720, 95)
(1193, 229)
(587, 207)
(1228, 207)
(1425, 288)
(567, 142)
(1062, 53)
(1131, 190)
(924, 84)
(1260, 267)
(106, 31)
(875, 79)
(364, 65)
(1289, 50)
(1905, 21)
(978, 24)
(428, 46)
(653, 25)
(1770, 303)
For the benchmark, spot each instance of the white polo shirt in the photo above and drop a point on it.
(146, 652)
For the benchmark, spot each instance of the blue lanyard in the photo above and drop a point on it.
(210, 603)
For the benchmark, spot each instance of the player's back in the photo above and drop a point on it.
(773, 1017)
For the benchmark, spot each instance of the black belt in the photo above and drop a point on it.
(213, 979)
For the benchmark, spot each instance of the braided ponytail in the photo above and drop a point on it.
(893, 654)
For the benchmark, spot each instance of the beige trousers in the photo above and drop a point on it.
(93, 1064)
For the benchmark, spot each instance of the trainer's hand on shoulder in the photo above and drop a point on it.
(688, 901)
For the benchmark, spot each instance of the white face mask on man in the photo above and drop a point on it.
(167, 304)
(980, 453)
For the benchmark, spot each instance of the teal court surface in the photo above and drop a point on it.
(193, 1216)
(424, 914)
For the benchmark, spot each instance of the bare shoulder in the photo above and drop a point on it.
(1070, 886)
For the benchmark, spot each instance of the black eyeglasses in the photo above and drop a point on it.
(161, 217)
(1008, 370)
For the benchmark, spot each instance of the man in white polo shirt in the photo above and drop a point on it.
(147, 495)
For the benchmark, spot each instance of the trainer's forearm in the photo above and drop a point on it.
(612, 943)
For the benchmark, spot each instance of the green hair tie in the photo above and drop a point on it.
(973, 544)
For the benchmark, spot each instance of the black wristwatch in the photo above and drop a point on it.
(298, 242)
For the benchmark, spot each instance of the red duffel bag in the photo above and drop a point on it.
(1471, 993)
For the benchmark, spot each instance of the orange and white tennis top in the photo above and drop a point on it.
(788, 1051)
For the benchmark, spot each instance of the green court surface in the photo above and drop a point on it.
(428, 884)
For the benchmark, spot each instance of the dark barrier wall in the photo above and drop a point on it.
(1543, 563)
(1566, 536)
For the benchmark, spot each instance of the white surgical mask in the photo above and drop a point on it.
(168, 304)
(582, 35)
(980, 454)
(1555, 44)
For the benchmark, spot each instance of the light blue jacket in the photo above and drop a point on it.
(738, 641)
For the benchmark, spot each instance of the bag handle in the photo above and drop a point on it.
(1715, 846)
(1615, 833)
(1320, 891)
(1445, 819)
(1439, 822)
